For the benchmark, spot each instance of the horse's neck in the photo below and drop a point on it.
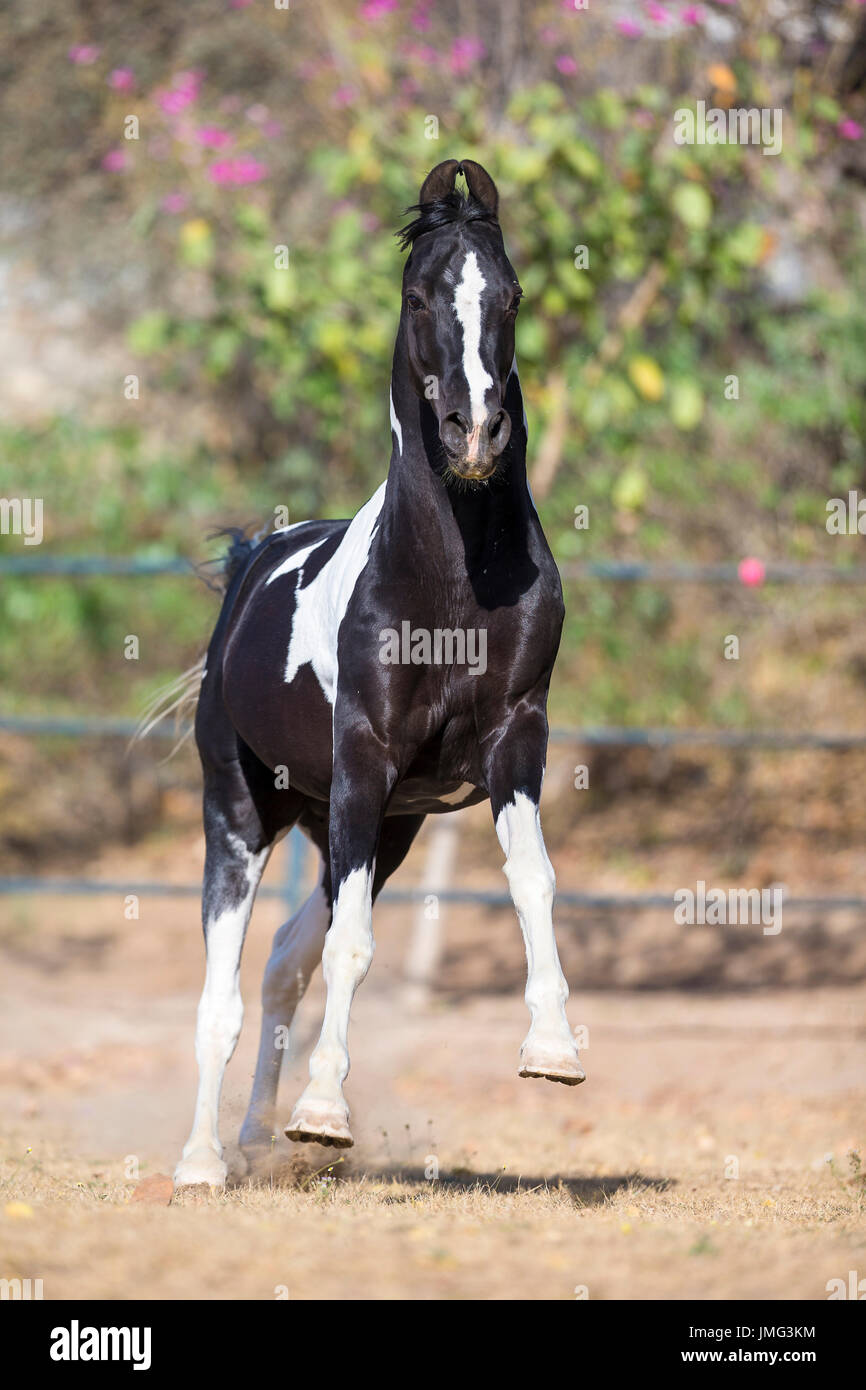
(473, 521)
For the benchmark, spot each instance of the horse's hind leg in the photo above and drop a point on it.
(296, 953)
(237, 849)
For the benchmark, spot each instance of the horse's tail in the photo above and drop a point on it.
(180, 697)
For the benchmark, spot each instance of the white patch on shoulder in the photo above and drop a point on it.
(467, 307)
(321, 606)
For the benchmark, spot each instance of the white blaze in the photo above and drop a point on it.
(467, 307)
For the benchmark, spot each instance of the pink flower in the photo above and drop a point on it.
(83, 54)
(121, 79)
(692, 14)
(174, 202)
(375, 9)
(566, 65)
(751, 572)
(241, 170)
(657, 13)
(849, 129)
(182, 93)
(212, 137)
(629, 29)
(114, 161)
(465, 52)
(344, 96)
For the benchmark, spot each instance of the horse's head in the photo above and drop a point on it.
(460, 301)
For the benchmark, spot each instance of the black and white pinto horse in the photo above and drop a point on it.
(295, 681)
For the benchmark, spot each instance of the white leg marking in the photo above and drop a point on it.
(218, 1026)
(322, 1113)
(294, 959)
(467, 307)
(549, 1048)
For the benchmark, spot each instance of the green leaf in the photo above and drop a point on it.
(692, 205)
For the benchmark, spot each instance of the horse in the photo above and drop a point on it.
(310, 715)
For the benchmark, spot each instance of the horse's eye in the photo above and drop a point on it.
(414, 302)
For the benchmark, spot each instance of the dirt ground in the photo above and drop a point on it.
(712, 1153)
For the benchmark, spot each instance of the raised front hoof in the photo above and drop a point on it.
(319, 1125)
(547, 1065)
(203, 1167)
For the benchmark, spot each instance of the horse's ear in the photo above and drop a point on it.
(439, 182)
(480, 185)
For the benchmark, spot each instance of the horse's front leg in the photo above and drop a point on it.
(361, 785)
(515, 769)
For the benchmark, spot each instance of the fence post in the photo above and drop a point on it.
(425, 943)
(293, 870)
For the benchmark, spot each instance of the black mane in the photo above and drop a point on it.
(454, 207)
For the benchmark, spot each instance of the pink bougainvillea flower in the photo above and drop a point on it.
(243, 169)
(850, 129)
(465, 52)
(114, 161)
(174, 202)
(183, 92)
(122, 79)
(566, 65)
(344, 96)
(212, 137)
(657, 13)
(375, 9)
(692, 14)
(83, 53)
(751, 572)
(629, 29)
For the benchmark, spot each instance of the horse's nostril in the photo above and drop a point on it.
(455, 418)
(496, 424)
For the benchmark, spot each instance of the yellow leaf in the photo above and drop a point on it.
(722, 78)
(647, 376)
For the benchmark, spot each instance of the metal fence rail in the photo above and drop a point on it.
(597, 736)
(633, 902)
(620, 571)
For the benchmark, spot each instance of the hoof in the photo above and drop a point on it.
(551, 1064)
(320, 1124)
(201, 1167)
